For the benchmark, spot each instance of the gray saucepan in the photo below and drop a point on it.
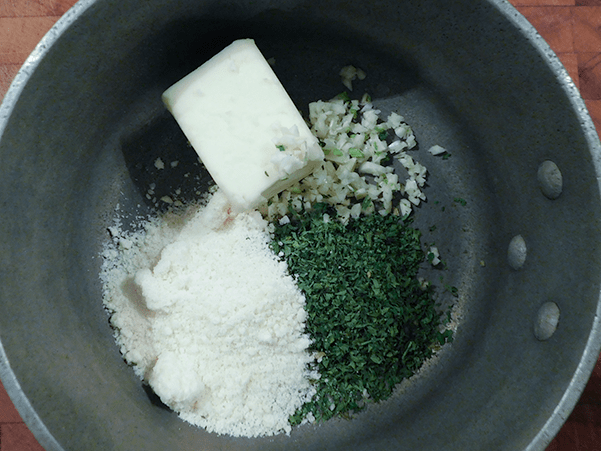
(516, 207)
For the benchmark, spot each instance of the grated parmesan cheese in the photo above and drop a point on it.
(212, 321)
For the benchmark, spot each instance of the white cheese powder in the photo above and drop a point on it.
(211, 320)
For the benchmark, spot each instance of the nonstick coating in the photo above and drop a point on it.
(83, 124)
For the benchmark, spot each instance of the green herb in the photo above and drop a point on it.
(460, 201)
(281, 148)
(446, 156)
(445, 337)
(369, 317)
(451, 289)
(343, 96)
(366, 203)
(337, 152)
(382, 133)
(355, 153)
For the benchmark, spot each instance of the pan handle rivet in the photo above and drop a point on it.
(550, 179)
(516, 253)
(547, 320)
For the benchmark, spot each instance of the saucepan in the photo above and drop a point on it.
(516, 209)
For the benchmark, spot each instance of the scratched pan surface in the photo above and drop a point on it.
(83, 125)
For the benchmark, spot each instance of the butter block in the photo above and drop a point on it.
(243, 125)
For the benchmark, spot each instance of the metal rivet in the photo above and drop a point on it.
(516, 253)
(550, 179)
(546, 321)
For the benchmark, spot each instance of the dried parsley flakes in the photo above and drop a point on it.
(369, 317)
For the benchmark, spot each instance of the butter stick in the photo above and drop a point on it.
(245, 128)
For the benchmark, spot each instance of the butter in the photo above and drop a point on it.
(243, 125)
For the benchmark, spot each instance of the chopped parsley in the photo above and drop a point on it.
(371, 320)
(355, 153)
